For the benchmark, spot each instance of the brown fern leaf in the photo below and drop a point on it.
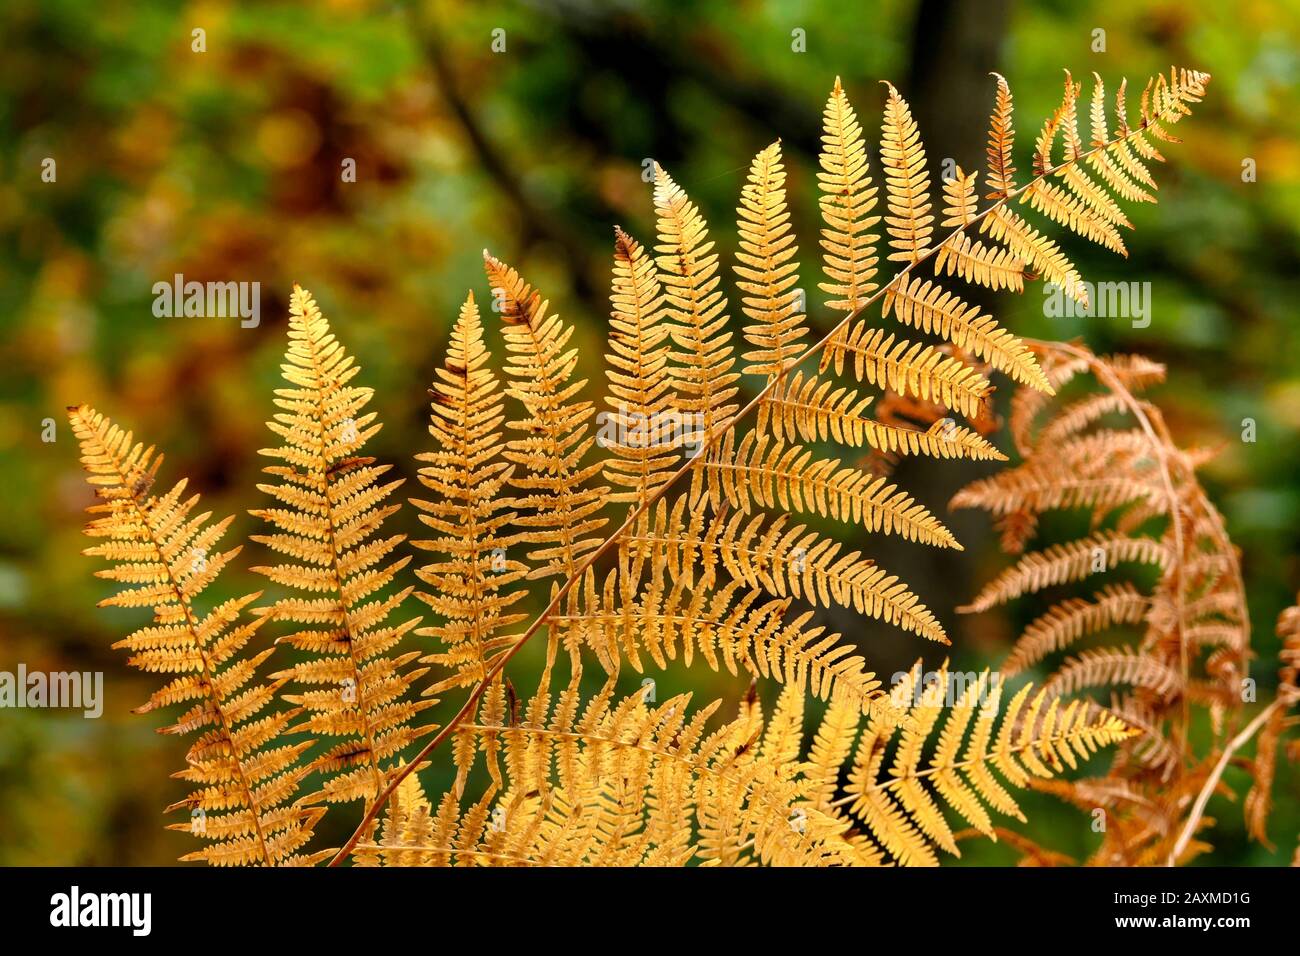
(328, 530)
(245, 775)
(1101, 450)
(471, 586)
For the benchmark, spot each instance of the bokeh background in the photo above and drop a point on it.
(225, 165)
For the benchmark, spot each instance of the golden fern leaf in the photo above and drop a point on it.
(559, 507)
(1001, 177)
(781, 560)
(793, 479)
(639, 383)
(689, 557)
(965, 257)
(816, 409)
(767, 274)
(907, 182)
(327, 529)
(926, 306)
(470, 587)
(245, 777)
(735, 626)
(908, 368)
(701, 371)
(607, 785)
(902, 804)
(846, 202)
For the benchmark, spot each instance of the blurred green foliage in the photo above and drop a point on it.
(226, 164)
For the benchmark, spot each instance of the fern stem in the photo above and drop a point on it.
(710, 439)
(1212, 781)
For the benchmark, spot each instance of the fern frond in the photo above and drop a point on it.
(846, 203)
(767, 274)
(1105, 667)
(780, 559)
(735, 626)
(1113, 606)
(909, 368)
(791, 478)
(815, 409)
(328, 529)
(903, 805)
(472, 586)
(167, 556)
(1063, 563)
(907, 182)
(558, 507)
(701, 370)
(639, 383)
(926, 306)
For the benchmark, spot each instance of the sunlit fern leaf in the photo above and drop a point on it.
(245, 775)
(794, 479)
(906, 802)
(847, 200)
(639, 610)
(610, 784)
(766, 270)
(475, 583)
(780, 558)
(965, 257)
(327, 527)
(909, 368)
(704, 384)
(558, 509)
(907, 182)
(638, 430)
(925, 305)
(817, 409)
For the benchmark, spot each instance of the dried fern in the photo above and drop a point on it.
(700, 469)
(1102, 450)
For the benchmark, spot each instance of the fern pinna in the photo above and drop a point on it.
(166, 556)
(679, 525)
(328, 528)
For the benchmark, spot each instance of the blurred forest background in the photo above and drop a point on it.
(225, 165)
